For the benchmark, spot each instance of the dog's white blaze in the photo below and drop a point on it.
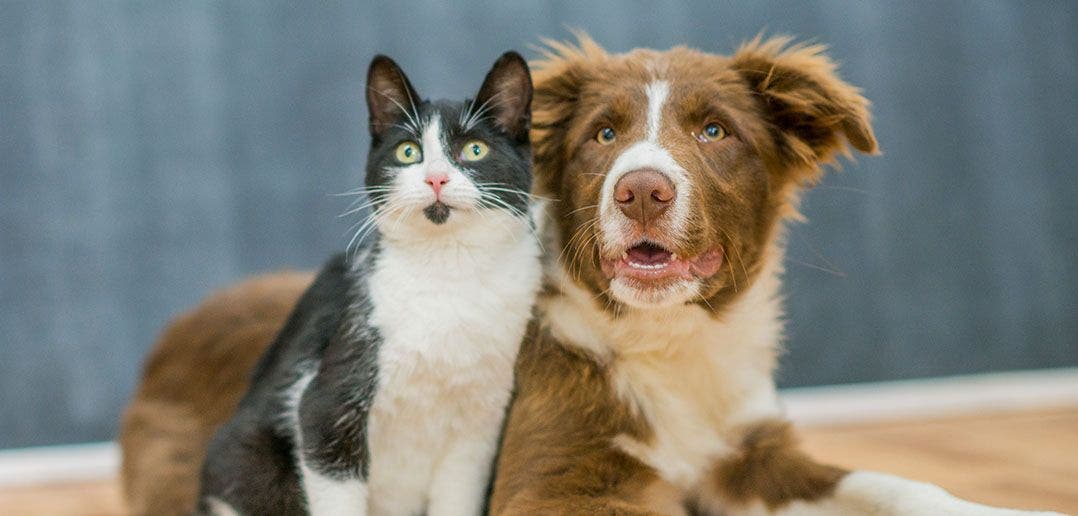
(643, 154)
(657, 93)
(647, 153)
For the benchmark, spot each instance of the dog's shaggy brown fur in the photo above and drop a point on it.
(632, 397)
(789, 114)
(785, 113)
(193, 380)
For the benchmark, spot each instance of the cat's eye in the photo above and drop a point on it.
(606, 136)
(409, 152)
(474, 150)
(712, 132)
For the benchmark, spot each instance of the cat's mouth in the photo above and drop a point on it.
(437, 212)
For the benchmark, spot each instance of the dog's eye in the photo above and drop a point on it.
(474, 150)
(606, 136)
(408, 152)
(712, 133)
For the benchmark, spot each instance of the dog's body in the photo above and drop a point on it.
(193, 380)
(646, 385)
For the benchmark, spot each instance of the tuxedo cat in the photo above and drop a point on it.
(386, 390)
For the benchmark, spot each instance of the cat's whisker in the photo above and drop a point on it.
(369, 204)
(495, 202)
(475, 118)
(408, 129)
(413, 121)
(504, 187)
(482, 213)
(504, 204)
(369, 222)
(466, 113)
(363, 190)
(411, 101)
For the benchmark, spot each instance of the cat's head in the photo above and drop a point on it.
(438, 166)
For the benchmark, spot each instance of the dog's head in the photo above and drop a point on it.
(672, 169)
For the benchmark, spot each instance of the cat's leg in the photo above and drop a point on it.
(327, 496)
(249, 470)
(331, 446)
(769, 475)
(460, 483)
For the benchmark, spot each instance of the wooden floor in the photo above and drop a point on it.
(1025, 460)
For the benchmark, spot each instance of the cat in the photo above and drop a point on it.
(386, 390)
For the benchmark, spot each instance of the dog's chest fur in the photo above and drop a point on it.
(693, 377)
(452, 321)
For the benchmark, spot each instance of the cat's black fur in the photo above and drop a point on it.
(251, 463)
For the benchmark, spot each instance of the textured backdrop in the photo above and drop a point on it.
(153, 151)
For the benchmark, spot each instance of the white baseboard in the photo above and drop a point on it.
(932, 397)
(63, 463)
(807, 406)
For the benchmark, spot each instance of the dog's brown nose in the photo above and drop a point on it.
(643, 195)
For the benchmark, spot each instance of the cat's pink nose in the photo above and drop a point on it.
(436, 182)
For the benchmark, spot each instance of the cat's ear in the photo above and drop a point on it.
(390, 96)
(507, 95)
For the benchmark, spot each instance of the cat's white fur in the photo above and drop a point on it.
(452, 303)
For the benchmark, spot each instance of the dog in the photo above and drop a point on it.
(645, 385)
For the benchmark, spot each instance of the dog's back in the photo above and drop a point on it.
(191, 383)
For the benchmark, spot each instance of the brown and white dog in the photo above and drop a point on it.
(645, 386)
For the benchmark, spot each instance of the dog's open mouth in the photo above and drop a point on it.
(650, 262)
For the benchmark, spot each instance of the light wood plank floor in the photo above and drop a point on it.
(1027, 460)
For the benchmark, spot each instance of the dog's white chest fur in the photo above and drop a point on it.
(693, 377)
(452, 319)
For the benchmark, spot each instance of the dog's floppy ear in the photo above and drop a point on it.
(802, 96)
(390, 96)
(559, 78)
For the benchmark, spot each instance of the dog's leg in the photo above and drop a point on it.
(771, 476)
(867, 492)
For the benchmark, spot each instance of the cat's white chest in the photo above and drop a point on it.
(451, 329)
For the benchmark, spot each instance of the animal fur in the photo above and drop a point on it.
(658, 398)
(193, 379)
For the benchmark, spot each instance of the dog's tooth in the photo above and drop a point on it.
(673, 257)
(624, 255)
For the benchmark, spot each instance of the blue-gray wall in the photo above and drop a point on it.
(153, 151)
